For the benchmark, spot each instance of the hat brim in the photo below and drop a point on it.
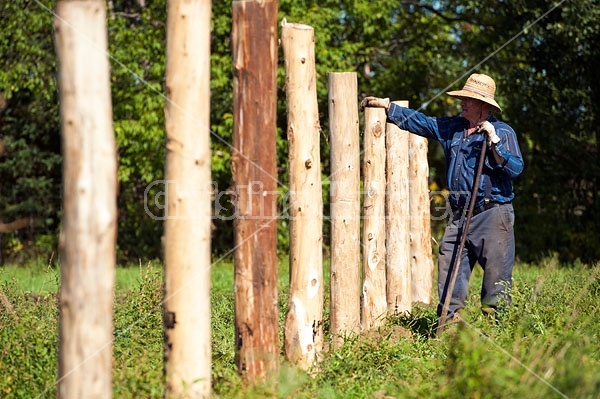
(476, 96)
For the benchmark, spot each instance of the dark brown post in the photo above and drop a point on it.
(254, 170)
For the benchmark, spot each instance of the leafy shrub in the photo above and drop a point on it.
(545, 345)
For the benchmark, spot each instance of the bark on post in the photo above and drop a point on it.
(398, 258)
(374, 281)
(87, 239)
(304, 318)
(187, 248)
(254, 170)
(420, 221)
(345, 205)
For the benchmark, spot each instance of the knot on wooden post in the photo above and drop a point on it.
(169, 320)
(308, 163)
(377, 129)
(374, 259)
(372, 190)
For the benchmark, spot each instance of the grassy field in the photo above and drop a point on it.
(545, 346)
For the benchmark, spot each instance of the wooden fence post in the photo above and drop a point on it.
(420, 221)
(304, 318)
(345, 205)
(89, 228)
(398, 219)
(187, 245)
(254, 169)
(374, 281)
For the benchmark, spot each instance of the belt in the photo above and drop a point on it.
(486, 205)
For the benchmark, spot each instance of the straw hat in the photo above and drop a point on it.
(480, 87)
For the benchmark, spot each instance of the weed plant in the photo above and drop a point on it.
(545, 345)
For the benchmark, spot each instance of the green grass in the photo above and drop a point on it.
(546, 345)
(40, 278)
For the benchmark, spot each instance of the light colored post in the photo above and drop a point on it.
(89, 227)
(420, 221)
(398, 260)
(374, 280)
(254, 169)
(345, 205)
(304, 318)
(187, 248)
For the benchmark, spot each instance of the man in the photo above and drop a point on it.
(490, 240)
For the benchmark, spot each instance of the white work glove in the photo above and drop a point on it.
(375, 102)
(490, 132)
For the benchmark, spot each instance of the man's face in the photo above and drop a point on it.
(471, 109)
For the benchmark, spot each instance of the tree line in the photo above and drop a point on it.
(542, 54)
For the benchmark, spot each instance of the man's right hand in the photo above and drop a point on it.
(375, 102)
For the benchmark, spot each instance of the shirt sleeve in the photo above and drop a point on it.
(508, 148)
(414, 121)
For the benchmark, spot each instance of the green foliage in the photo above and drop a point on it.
(138, 338)
(29, 334)
(544, 345)
(137, 52)
(531, 350)
(29, 121)
(546, 85)
(541, 53)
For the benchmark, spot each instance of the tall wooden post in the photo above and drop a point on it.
(420, 222)
(254, 170)
(398, 258)
(89, 228)
(374, 281)
(345, 205)
(304, 318)
(187, 248)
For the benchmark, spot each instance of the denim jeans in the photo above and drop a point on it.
(491, 242)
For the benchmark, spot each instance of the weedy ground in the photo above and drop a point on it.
(545, 345)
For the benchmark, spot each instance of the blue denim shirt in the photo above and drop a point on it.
(462, 154)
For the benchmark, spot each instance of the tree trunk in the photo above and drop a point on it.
(374, 282)
(399, 293)
(420, 221)
(255, 174)
(188, 220)
(89, 227)
(304, 318)
(345, 205)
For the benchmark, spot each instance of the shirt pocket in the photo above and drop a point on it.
(455, 145)
(472, 152)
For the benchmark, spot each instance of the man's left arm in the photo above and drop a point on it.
(504, 149)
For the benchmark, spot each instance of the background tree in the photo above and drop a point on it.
(137, 42)
(412, 50)
(30, 157)
(547, 78)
